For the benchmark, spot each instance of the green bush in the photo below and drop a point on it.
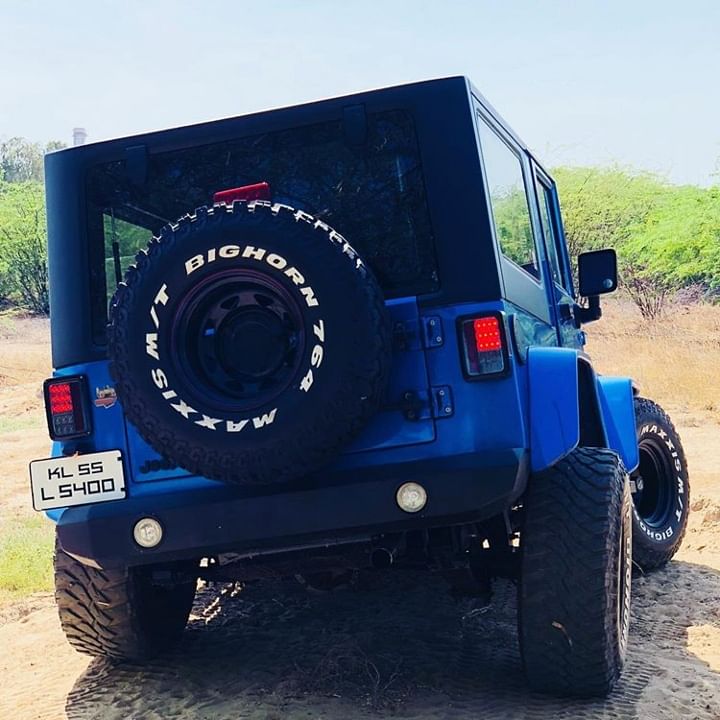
(23, 246)
(26, 548)
(667, 236)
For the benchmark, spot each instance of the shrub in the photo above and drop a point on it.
(23, 245)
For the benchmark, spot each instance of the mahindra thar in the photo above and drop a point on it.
(341, 335)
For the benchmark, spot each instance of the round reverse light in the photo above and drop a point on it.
(411, 497)
(147, 532)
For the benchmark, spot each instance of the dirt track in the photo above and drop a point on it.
(274, 652)
(403, 647)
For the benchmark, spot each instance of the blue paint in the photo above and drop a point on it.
(618, 409)
(554, 408)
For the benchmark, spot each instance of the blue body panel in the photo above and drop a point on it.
(390, 440)
(618, 411)
(554, 409)
(533, 409)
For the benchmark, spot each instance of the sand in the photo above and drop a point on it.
(396, 644)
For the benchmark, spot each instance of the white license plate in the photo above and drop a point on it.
(77, 480)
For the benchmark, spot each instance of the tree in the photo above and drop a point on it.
(605, 207)
(22, 161)
(667, 237)
(23, 244)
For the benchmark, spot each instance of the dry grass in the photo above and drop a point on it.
(26, 538)
(24, 349)
(674, 360)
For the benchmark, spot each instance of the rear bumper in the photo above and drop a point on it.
(199, 523)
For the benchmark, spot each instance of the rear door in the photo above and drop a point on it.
(407, 417)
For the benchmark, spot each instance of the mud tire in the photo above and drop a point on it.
(574, 591)
(119, 613)
(661, 501)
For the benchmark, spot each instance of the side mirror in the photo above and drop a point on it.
(597, 273)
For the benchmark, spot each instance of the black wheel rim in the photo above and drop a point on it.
(654, 483)
(237, 339)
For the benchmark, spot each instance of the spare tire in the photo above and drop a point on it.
(249, 343)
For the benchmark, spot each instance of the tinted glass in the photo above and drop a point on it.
(545, 200)
(123, 241)
(510, 210)
(372, 194)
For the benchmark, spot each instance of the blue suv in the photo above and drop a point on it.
(339, 336)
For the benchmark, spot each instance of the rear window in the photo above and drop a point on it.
(372, 194)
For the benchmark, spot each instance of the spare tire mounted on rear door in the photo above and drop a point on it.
(249, 343)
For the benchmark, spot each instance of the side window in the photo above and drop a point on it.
(508, 200)
(545, 199)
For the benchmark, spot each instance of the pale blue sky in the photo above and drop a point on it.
(582, 82)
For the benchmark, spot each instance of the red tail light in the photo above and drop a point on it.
(483, 345)
(66, 407)
(257, 191)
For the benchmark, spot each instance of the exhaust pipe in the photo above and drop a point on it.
(381, 558)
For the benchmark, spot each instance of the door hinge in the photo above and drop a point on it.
(434, 336)
(442, 401)
(411, 335)
(436, 402)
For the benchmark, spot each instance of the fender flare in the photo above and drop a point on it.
(617, 403)
(554, 407)
(571, 405)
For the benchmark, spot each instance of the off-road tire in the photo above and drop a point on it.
(661, 500)
(342, 344)
(574, 590)
(119, 613)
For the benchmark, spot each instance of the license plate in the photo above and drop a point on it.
(77, 480)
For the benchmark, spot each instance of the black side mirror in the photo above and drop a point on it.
(597, 273)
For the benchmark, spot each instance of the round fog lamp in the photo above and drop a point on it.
(411, 497)
(147, 532)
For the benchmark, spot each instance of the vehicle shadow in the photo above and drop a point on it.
(273, 650)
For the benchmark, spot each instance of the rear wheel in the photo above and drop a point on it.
(124, 614)
(661, 492)
(574, 593)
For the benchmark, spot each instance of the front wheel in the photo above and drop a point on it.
(660, 488)
(574, 591)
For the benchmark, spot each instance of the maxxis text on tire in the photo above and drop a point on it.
(119, 613)
(661, 497)
(574, 592)
(249, 343)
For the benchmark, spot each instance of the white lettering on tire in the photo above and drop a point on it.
(272, 260)
(275, 261)
(151, 347)
(668, 532)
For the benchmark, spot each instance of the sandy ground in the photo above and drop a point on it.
(403, 646)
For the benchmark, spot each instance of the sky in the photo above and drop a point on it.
(585, 82)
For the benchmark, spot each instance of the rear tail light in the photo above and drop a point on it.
(484, 346)
(66, 407)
